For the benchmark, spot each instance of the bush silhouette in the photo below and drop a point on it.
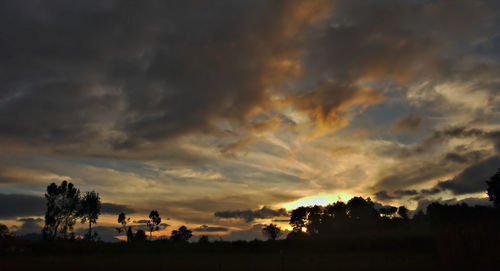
(493, 190)
(271, 231)
(181, 235)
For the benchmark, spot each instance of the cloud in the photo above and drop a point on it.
(251, 215)
(383, 196)
(472, 179)
(422, 204)
(414, 194)
(407, 123)
(111, 208)
(19, 205)
(110, 86)
(205, 228)
(29, 225)
(105, 233)
(330, 101)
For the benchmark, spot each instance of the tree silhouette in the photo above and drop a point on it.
(130, 234)
(203, 239)
(494, 189)
(271, 231)
(90, 208)
(403, 212)
(153, 222)
(298, 219)
(62, 209)
(4, 231)
(361, 210)
(123, 219)
(140, 236)
(181, 235)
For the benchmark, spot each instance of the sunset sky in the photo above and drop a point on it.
(220, 113)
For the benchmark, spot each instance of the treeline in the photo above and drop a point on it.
(360, 215)
(66, 205)
(183, 234)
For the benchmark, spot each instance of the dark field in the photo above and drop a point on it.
(447, 251)
(379, 260)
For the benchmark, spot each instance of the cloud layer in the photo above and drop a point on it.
(194, 107)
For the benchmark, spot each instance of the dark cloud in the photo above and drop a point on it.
(460, 154)
(105, 233)
(250, 215)
(413, 172)
(410, 192)
(18, 205)
(103, 77)
(422, 204)
(383, 195)
(407, 123)
(205, 228)
(29, 225)
(472, 179)
(111, 208)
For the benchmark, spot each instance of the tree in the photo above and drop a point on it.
(203, 239)
(140, 236)
(271, 231)
(122, 219)
(90, 209)
(403, 212)
(298, 219)
(494, 189)
(153, 223)
(181, 235)
(62, 209)
(360, 209)
(4, 232)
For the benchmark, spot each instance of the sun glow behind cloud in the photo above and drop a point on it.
(320, 199)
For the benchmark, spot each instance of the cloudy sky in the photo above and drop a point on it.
(219, 114)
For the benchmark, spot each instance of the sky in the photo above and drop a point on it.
(225, 115)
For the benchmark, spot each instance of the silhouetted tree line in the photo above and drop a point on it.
(66, 205)
(183, 234)
(360, 215)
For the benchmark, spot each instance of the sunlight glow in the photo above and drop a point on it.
(321, 199)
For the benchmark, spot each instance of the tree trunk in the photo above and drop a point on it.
(90, 230)
(55, 231)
